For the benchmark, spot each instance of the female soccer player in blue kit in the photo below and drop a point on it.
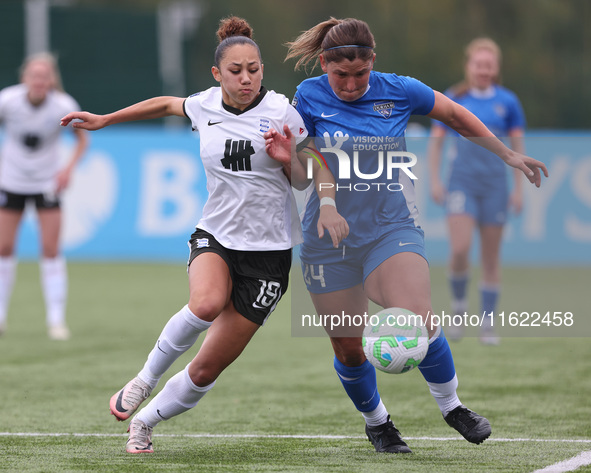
(351, 109)
(477, 192)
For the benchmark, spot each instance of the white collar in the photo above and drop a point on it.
(487, 93)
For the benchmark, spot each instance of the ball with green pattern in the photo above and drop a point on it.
(395, 340)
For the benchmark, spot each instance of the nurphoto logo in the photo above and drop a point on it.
(387, 159)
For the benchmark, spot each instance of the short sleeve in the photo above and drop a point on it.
(296, 124)
(303, 109)
(191, 108)
(420, 95)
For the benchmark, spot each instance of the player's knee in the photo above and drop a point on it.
(205, 309)
(459, 256)
(49, 252)
(203, 375)
(490, 271)
(349, 351)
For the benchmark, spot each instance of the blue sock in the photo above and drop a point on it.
(360, 384)
(458, 283)
(488, 297)
(438, 365)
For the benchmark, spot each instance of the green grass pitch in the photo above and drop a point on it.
(277, 407)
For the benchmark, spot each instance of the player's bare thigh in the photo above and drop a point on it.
(50, 222)
(9, 222)
(210, 286)
(402, 280)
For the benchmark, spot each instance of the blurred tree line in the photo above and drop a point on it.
(109, 51)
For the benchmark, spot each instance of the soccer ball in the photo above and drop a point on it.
(395, 340)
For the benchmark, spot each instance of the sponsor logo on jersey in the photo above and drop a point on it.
(210, 123)
(264, 125)
(384, 108)
(32, 141)
(237, 155)
(294, 101)
(325, 115)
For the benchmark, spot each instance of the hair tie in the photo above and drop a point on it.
(349, 46)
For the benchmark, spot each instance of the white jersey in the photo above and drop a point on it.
(29, 159)
(250, 206)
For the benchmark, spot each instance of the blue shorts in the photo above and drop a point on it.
(486, 203)
(344, 267)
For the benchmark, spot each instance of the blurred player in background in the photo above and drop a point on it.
(477, 192)
(383, 256)
(240, 253)
(31, 173)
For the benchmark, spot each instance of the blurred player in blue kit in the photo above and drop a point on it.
(477, 192)
(383, 256)
(240, 253)
(31, 172)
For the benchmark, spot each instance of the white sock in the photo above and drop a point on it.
(54, 281)
(179, 334)
(7, 275)
(376, 417)
(178, 395)
(445, 395)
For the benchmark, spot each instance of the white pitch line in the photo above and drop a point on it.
(571, 464)
(281, 436)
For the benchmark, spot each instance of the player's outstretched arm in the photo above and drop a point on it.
(156, 107)
(469, 126)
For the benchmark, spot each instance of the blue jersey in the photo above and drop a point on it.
(500, 110)
(362, 143)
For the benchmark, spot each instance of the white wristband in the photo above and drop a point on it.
(328, 201)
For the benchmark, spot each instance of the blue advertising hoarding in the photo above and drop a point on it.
(139, 191)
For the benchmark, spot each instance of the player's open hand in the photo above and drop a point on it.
(333, 222)
(84, 120)
(280, 147)
(529, 166)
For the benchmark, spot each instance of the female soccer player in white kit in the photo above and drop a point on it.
(30, 171)
(241, 250)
